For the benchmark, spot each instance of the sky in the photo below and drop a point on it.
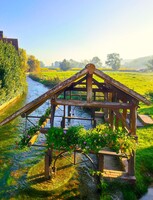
(53, 30)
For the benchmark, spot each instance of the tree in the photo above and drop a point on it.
(64, 65)
(114, 61)
(23, 59)
(42, 64)
(96, 61)
(34, 64)
(150, 65)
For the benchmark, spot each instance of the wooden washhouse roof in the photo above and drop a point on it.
(89, 69)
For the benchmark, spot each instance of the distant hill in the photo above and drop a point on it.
(138, 63)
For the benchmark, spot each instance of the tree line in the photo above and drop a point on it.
(113, 61)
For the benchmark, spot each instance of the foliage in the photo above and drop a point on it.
(34, 64)
(26, 136)
(114, 61)
(23, 59)
(96, 61)
(42, 65)
(150, 65)
(64, 65)
(90, 140)
(44, 117)
(12, 74)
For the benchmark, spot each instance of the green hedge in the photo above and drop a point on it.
(12, 76)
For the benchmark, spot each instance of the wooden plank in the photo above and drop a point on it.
(121, 86)
(145, 119)
(112, 153)
(79, 118)
(92, 104)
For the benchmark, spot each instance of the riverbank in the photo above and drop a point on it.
(12, 101)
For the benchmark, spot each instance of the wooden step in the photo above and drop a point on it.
(145, 119)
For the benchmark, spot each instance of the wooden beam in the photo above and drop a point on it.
(121, 87)
(84, 89)
(92, 104)
(99, 84)
(122, 118)
(79, 81)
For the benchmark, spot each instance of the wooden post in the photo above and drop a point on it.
(69, 109)
(124, 113)
(93, 116)
(100, 162)
(64, 112)
(116, 123)
(133, 126)
(105, 109)
(48, 160)
(89, 88)
(53, 108)
(94, 96)
(111, 119)
(75, 157)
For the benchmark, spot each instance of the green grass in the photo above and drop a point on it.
(140, 82)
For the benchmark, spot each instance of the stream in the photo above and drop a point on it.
(15, 163)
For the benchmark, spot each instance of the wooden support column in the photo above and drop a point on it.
(53, 108)
(69, 109)
(105, 109)
(111, 119)
(75, 157)
(48, 161)
(64, 113)
(124, 113)
(48, 154)
(133, 126)
(89, 88)
(111, 112)
(100, 162)
(116, 122)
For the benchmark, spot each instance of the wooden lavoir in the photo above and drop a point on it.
(97, 91)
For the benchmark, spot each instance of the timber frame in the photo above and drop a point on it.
(95, 90)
